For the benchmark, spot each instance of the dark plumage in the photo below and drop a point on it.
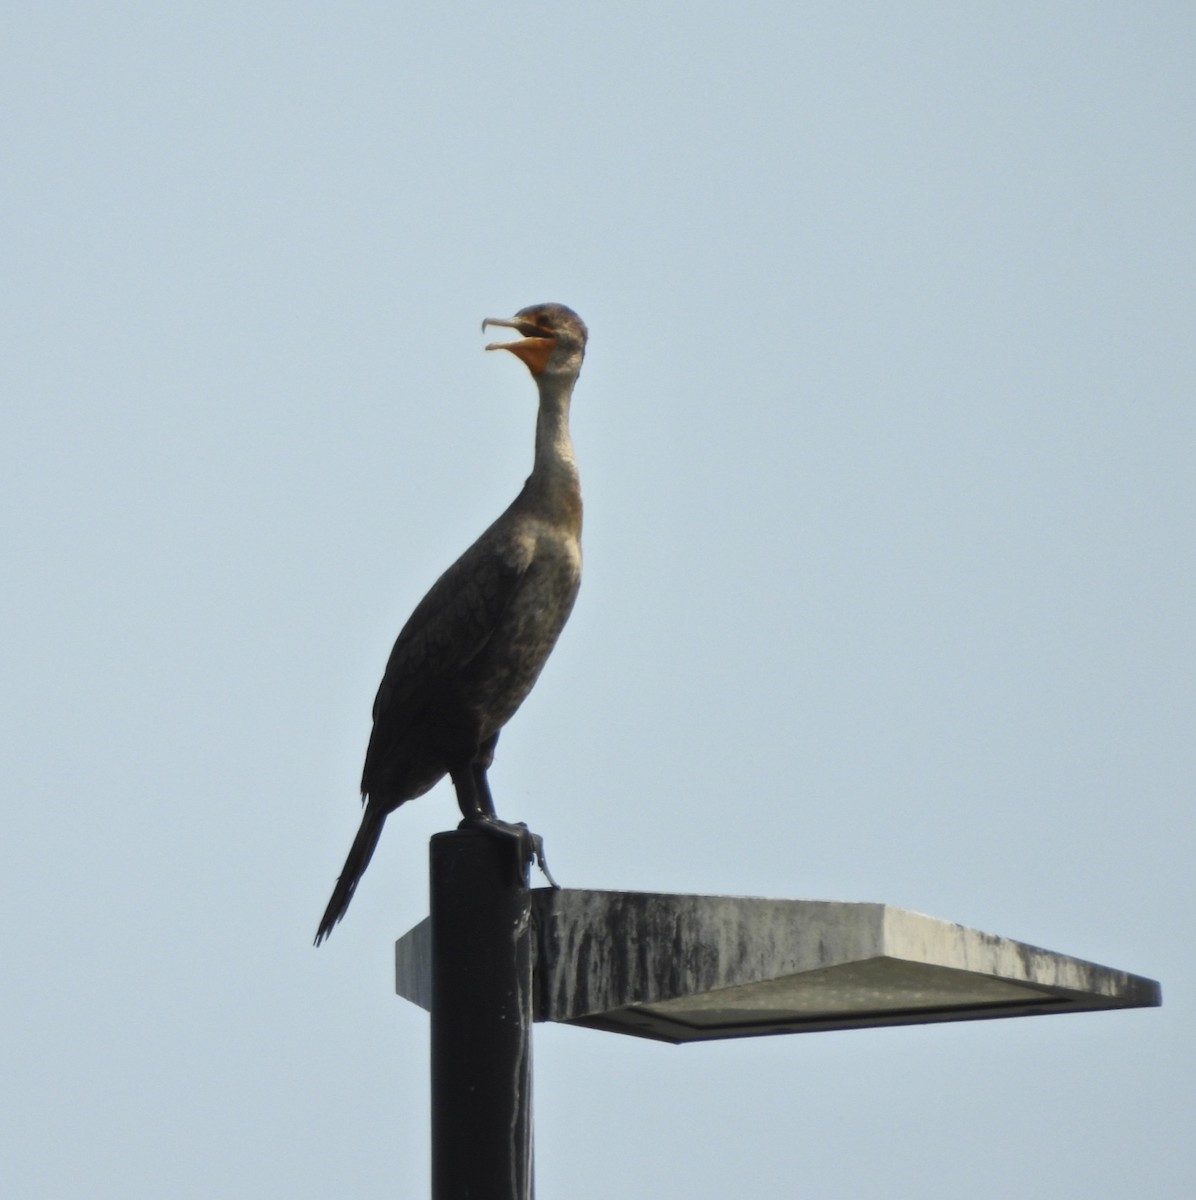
(474, 646)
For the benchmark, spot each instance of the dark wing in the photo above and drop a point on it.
(450, 626)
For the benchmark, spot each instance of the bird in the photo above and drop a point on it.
(474, 646)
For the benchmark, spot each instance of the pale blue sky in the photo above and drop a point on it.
(886, 435)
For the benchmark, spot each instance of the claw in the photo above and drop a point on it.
(541, 861)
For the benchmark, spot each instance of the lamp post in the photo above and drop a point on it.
(481, 1004)
(494, 956)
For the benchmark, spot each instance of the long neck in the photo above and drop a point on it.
(553, 487)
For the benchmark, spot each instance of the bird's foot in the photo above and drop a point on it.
(531, 845)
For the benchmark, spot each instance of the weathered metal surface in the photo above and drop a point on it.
(413, 965)
(598, 951)
(692, 968)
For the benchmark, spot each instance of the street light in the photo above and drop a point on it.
(495, 955)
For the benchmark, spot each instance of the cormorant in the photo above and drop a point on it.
(472, 649)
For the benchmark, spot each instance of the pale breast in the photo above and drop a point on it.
(505, 672)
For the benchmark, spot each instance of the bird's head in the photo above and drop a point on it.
(553, 341)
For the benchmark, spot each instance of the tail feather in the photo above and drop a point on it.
(359, 858)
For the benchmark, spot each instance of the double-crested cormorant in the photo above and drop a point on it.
(472, 649)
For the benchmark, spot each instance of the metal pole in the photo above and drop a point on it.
(481, 1018)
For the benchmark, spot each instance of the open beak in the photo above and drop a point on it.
(533, 348)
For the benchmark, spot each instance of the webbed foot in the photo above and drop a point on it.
(530, 845)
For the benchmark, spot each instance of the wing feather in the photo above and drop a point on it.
(449, 628)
